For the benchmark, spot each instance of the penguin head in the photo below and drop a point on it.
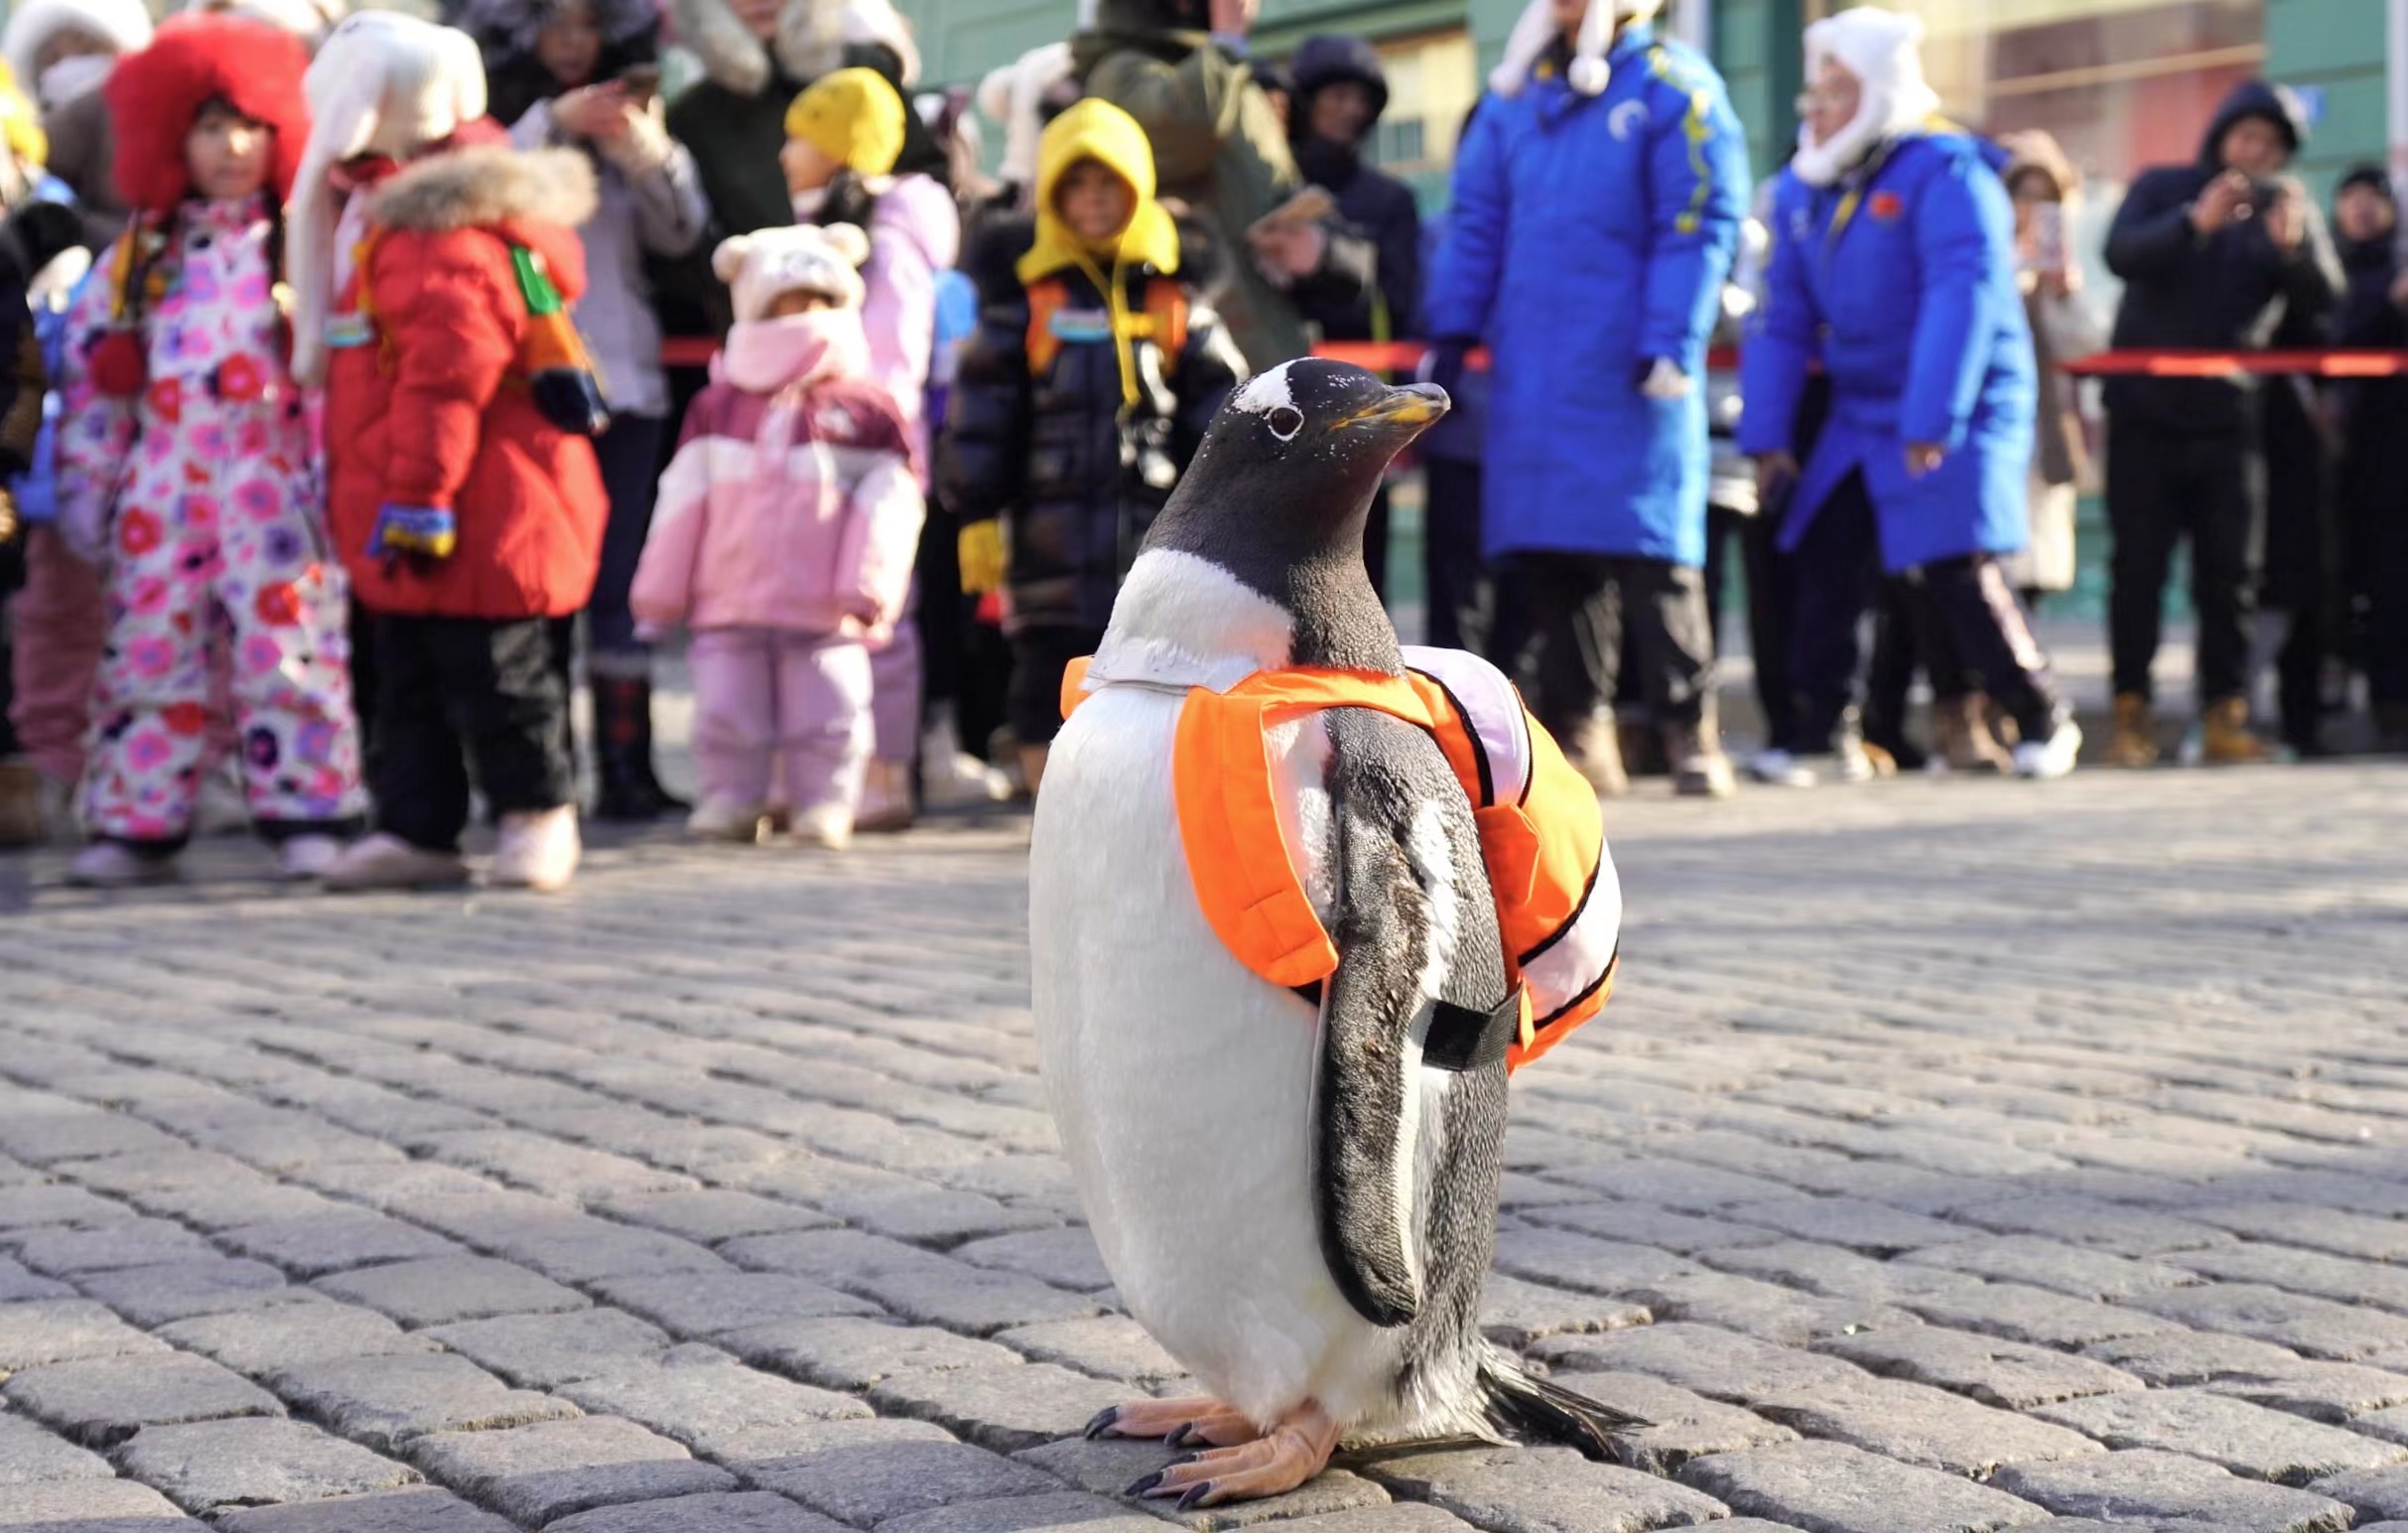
(1279, 490)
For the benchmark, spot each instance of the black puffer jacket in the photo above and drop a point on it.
(2230, 289)
(1372, 202)
(1049, 452)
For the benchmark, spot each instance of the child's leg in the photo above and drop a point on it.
(895, 669)
(422, 779)
(824, 725)
(151, 707)
(504, 694)
(57, 623)
(299, 743)
(734, 715)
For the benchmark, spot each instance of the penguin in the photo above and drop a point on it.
(1294, 1192)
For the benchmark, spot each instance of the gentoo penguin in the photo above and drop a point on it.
(1293, 1199)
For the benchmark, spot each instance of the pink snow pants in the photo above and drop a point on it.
(766, 699)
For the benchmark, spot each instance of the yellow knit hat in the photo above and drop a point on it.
(20, 121)
(853, 117)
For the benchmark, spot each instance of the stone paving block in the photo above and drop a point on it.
(2318, 1327)
(704, 1304)
(2246, 1438)
(101, 1403)
(541, 1352)
(63, 1253)
(547, 1165)
(2007, 1374)
(1832, 1272)
(17, 1284)
(391, 1186)
(63, 1331)
(1680, 1425)
(1064, 1256)
(846, 1354)
(253, 1200)
(1830, 1487)
(176, 1291)
(2142, 1483)
(2116, 1228)
(1917, 1424)
(2374, 1493)
(2317, 1228)
(1764, 1309)
(1560, 1258)
(1027, 1514)
(867, 1483)
(1004, 1408)
(1538, 1491)
(1675, 1184)
(2082, 1271)
(314, 1247)
(1110, 1346)
(542, 1472)
(453, 1288)
(2390, 1425)
(2336, 1393)
(2175, 1357)
(35, 1204)
(420, 1510)
(1720, 1364)
(1400, 1517)
(1517, 1314)
(1109, 1465)
(206, 1466)
(915, 1284)
(712, 1214)
(264, 1341)
(385, 1402)
(2342, 1278)
(90, 1506)
(739, 1511)
(1872, 1229)
(31, 1456)
(939, 1216)
(2021, 1313)
(560, 1243)
(1647, 1224)
(40, 1139)
(719, 1410)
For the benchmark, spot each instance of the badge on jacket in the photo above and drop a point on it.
(1886, 205)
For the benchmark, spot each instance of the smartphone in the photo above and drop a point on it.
(1309, 205)
(641, 81)
(2048, 236)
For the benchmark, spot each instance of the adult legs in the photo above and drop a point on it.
(2148, 479)
(618, 665)
(1450, 549)
(1984, 623)
(1834, 570)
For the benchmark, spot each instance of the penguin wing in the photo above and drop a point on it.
(1415, 930)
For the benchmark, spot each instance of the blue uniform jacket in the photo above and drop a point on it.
(1901, 283)
(1586, 236)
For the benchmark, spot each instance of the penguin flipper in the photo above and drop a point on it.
(1411, 899)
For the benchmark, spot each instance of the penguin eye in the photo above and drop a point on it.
(1284, 422)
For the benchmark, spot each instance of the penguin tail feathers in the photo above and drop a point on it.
(1518, 1404)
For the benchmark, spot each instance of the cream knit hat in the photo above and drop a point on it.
(763, 267)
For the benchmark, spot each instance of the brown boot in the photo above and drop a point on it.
(1595, 752)
(2224, 738)
(21, 818)
(1960, 727)
(2135, 740)
(1699, 768)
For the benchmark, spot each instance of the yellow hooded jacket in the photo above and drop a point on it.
(1100, 131)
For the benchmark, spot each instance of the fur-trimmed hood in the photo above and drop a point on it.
(812, 38)
(476, 188)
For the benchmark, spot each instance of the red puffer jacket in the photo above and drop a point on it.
(433, 409)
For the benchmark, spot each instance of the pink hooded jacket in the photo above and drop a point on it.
(791, 503)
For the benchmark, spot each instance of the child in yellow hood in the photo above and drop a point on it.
(1097, 363)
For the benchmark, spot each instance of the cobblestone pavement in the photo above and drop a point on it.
(1956, 1155)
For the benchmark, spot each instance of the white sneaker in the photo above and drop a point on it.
(885, 799)
(720, 819)
(1850, 764)
(385, 861)
(962, 778)
(114, 865)
(828, 827)
(308, 857)
(1779, 768)
(539, 850)
(220, 807)
(2046, 760)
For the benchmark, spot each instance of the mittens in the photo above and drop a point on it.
(424, 531)
(981, 546)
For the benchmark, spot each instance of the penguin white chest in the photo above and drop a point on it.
(1181, 1082)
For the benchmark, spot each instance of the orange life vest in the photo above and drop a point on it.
(1541, 835)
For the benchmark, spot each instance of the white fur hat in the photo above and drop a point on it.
(1012, 96)
(125, 25)
(1535, 33)
(308, 20)
(760, 268)
(877, 21)
(1883, 50)
(384, 83)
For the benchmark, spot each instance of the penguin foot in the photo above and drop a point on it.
(1173, 1421)
(1290, 1454)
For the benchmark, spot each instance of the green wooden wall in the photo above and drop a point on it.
(2334, 47)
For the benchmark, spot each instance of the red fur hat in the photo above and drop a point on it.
(155, 95)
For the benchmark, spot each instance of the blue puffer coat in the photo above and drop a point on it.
(1587, 235)
(1901, 282)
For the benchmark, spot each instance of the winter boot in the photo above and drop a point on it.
(385, 861)
(538, 849)
(1699, 768)
(2134, 742)
(885, 799)
(21, 817)
(1960, 726)
(114, 865)
(623, 754)
(2224, 738)
(1594, 748)
(1644, 749)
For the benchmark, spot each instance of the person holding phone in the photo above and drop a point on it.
(597, 89)
(2047, 189)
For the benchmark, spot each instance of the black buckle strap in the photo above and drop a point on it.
(1463, 1039)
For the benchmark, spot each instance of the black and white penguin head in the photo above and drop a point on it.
(1286, 474)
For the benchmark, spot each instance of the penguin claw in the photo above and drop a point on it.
(1195, 1496)
(1143, 1485)
(1177, 1436)
(1100, 1422)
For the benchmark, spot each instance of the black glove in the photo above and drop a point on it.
(1442, 363)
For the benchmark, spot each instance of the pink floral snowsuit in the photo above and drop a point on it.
(204, 504)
